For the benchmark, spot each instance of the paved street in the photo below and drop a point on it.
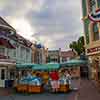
(87, 91)
(44, 96)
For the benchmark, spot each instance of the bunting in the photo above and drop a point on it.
(94, 15)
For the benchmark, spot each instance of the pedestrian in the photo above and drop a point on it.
(54, 81)
(68, 78)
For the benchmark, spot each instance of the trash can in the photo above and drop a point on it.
(9, 83)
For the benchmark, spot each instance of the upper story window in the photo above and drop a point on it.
(91, 5)
(27, 54)
(14, 53)
(22, 52)
(2, 50)
(95, 31)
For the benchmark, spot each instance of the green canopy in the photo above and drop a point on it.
(49, 66)
(74, 62)
(25, 65)
(46, 67)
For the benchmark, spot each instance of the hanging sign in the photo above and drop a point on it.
(94, 15)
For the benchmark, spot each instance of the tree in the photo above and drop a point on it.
(78, 45)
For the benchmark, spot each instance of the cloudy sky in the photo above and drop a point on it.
(54, 23)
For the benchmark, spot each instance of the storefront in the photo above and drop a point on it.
(91, 21)
(74, 66)
(94, 58)
(7, 72)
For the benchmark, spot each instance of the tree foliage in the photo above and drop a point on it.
(78, 45)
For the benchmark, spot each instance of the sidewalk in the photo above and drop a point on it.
(87, 91)
(5, 91)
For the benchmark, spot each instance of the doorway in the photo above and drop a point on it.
(84, 72)
(2, 76)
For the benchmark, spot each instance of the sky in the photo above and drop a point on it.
(53, 23)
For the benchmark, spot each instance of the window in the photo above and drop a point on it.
(22, 52)
(14, 53)
(95, 31)
(2, 50)
(27, 54)
(12, 75)
(91, 5)
(2, 74)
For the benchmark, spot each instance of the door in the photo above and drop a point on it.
(84, 71)
(2, 76)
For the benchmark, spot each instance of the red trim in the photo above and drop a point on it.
(3, 56)
(6, 43)
(98, 10)
(90, 17)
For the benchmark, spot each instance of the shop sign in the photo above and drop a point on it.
(94, 14)
(91, 50)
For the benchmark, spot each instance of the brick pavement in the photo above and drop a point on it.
(87, 91)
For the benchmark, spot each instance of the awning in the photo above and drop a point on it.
(47, 67)
(74, 62)
(6, 43)
(23, 66)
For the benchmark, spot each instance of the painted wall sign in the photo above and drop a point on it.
(94, 15)
(92, 50)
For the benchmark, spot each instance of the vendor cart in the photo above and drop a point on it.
(35, 85)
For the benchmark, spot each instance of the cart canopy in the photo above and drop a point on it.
(25, 65)
(74, 62)
(47, 67)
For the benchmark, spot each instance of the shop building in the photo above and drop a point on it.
(67, 55)
(54, 56)
(91, 22)
(39, 54)
(14, 49)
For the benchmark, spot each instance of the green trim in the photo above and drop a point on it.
(84, 8)
(98, 1)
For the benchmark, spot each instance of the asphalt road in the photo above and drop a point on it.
(43, 96)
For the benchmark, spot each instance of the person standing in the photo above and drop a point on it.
(68, 78)
(54, 81)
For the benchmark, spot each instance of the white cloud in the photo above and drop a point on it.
(52, 22)
(23, 27)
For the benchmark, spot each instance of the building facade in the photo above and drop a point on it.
(91, 22)
(54, 56)
(13, 49)
(39, 54)
(67, 55)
